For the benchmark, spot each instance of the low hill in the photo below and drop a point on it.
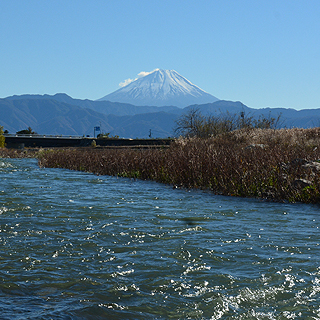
(106, 107)
(49, 116)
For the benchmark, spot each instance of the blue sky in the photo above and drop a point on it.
(264, 53)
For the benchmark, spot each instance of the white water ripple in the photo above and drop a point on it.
(77, 246)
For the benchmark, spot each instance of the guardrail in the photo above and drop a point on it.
(42, 136)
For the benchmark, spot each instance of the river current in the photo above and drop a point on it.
(74, 245)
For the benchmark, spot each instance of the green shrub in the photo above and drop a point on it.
(26, 131)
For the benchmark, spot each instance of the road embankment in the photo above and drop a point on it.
(46, 141)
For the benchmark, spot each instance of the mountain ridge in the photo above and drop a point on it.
(47, 115)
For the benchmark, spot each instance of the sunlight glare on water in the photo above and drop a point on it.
(79, 246)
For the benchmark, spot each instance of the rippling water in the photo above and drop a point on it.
(78, 246)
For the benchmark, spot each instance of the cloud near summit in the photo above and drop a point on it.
(126, 82)
(140, 75)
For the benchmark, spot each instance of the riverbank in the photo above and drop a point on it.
(279, 165)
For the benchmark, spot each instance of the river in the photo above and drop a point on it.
(74, 245)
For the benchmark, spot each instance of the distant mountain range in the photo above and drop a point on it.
(161, 88)
(61, 114)
(52, 115)
(148, 105)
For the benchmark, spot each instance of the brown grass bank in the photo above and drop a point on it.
(280, 165)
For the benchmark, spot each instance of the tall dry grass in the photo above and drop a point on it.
(262, 163)
(18, 153)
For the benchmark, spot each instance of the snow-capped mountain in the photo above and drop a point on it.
(161, 88)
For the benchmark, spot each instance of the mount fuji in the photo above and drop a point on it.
(161, 88)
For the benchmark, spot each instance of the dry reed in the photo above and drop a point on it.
(279, 165)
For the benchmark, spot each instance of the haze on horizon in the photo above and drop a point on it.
(262, 53)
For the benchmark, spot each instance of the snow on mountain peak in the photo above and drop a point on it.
(159, 88)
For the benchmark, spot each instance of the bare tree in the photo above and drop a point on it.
(190, 124)
(194, 124)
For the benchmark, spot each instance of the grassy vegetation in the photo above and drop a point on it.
(280, 165)
(2, 138)
(19, 153)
